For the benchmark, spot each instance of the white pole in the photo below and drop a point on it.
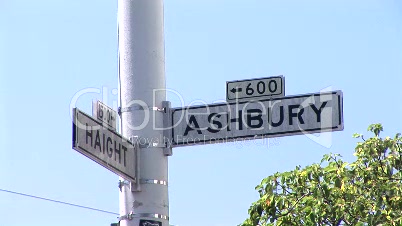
(141, 71)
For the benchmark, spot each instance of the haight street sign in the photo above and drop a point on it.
(290, 115)
(103, 145)
(257, 88)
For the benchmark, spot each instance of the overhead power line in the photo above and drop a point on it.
(57, 201)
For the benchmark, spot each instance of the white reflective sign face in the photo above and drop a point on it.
(303, 114)
(251, 89)
(103, 145)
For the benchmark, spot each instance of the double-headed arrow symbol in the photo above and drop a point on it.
(236, 90)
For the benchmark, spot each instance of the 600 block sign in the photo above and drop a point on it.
(105, 114)
(255, 88)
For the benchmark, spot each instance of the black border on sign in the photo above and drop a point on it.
(256, 79)
(89, 154)
(295, 132)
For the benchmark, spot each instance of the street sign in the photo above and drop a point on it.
(150, 223)
(231, 122)
(105, 114)
(103, 145)
(255, 88)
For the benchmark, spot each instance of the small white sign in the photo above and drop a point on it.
(252, 89)
(103, 145)
(104, 113)
(231, 122)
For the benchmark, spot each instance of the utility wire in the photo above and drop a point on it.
(56, 201)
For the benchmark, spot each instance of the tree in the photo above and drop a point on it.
(365, 192)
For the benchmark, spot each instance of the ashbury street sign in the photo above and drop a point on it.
(103, 145)
(285, 116)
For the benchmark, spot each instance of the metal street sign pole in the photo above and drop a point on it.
(141, 65)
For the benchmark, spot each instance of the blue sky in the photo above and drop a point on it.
(52, 49)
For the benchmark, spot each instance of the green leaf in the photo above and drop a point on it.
(375, 128)
(357, 135)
